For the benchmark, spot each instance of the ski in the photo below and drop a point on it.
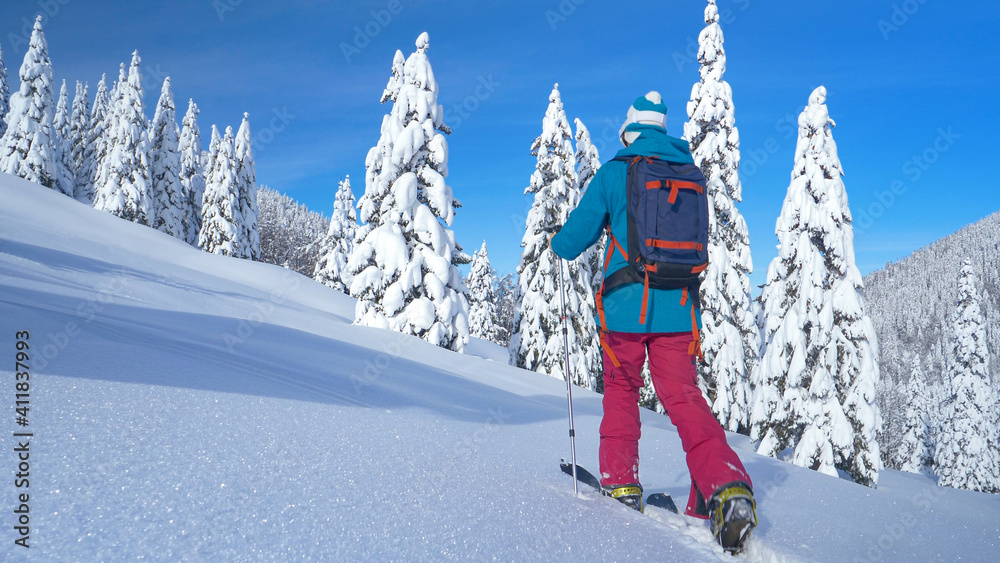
(659, 500)
(582, 475)
(662, 500)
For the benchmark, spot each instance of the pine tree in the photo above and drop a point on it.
(167, 192)
(246, 180)
(96, 145)
(938, 393)
(914, 453)
(28, 147)
(379, 161)
(968, 456)
(80, 133)
(221, 223)
(537, 344)
(404, 264)
(587, 158)
(4, 95)
(892, 398)
(191, 178)
(815, 384)
(338, 244)
(62, 127)
(730, 337)
(588, 163)
(506, 307)
(483, 314)
(213, 149)
(122, 186)
(290, 233)
(107, 126)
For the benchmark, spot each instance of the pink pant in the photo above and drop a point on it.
(711, 462)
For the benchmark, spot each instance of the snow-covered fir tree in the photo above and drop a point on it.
(730, 339)
(122, 186)
(246, 179)
(588, 162)
(80, 133)
(290, 233)
(405, 260)
(937, 399)
(587, 158)
(103, 143)
(96, 145)
(506, 306)
(213, 149)
(537, 344)
(4, 95)
(62, 127)
(28, 147)
(338, 244)
(892, 399)
(167, 194)
(191, 178)
(484, 320)
(968, 455)
(914, 452)
(815, 383)
(221, 223)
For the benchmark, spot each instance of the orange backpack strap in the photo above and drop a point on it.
(612, 247)
(607, 255)
(695, 348)
(645, 294)
(656, 243)
(599, 299)
(609, 351)
(673, 186)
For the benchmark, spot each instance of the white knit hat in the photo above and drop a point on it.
(646, 110)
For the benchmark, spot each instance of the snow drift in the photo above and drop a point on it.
(192, 406)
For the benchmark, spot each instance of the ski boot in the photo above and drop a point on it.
(734, 516)
(630, 495)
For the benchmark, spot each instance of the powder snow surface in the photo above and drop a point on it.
(188, 406)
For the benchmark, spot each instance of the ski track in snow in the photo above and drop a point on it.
(201, 407)
(755, 550)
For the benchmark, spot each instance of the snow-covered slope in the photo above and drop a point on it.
(187, 406)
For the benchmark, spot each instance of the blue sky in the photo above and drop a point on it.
(913, 86)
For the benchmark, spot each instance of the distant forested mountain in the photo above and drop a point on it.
(912, 303)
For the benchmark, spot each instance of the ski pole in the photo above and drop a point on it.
(569, 381)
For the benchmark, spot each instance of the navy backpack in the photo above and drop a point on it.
(667, 233)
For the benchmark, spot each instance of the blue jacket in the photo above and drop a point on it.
(605, 202)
